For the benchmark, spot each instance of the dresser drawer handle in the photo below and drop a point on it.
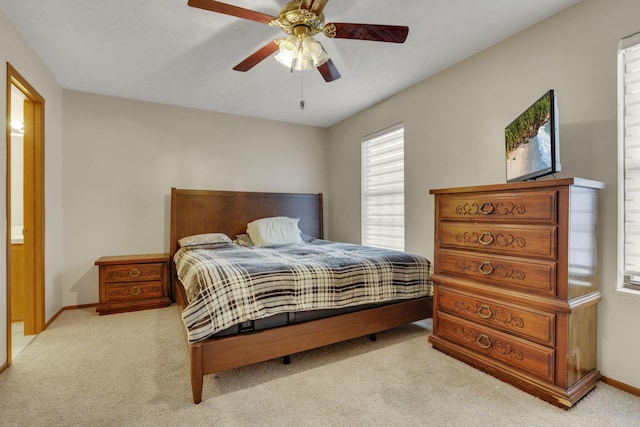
(135, 290)
(485, 268)
(134, 273)
(484, 311)
(486, 238)
(483, 341)
(487, 208)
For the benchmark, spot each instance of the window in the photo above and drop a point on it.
(629, 147)
(383, 188)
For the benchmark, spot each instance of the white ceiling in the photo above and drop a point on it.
(165, 51)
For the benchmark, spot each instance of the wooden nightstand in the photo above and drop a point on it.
(133, 282)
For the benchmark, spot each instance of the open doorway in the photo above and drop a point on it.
(25, 216)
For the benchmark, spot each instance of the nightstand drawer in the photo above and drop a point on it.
(527, 323)
(134, 272)
(511, 273)
(527, 356)
(523, 206)
(515, 240)
(134, 291)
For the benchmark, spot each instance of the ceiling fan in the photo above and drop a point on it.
(301, 20)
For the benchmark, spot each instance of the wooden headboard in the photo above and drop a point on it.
(229, 212)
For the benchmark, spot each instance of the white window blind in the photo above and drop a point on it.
(383, 188)
(629, 118)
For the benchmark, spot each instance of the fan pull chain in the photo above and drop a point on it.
(301, 90)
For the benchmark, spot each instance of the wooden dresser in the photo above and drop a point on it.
(133, 282)
(516, 283)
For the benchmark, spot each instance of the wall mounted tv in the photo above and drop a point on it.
(532, 141)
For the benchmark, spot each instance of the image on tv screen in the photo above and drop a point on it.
(530, 142)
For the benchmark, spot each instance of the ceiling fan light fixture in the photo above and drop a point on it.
(313, 51)
(301, 53)
(288, 50)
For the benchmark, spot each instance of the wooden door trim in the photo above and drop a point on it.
(16, 79)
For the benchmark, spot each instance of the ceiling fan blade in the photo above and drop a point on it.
(329, 71)
(315, 6)
(258, 56)
(227, 9)
(378, 33)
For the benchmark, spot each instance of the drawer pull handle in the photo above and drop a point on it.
(485, 268)
(487, 208)
(483, 341)
(484, 311)
(486, 238)
(135, 290)
(134, 273)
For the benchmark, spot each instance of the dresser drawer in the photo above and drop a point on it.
(527, 356)
(527, 323)
(512, 273)
(517, 240)
(133, 291)
(134, 272)
(501, 206)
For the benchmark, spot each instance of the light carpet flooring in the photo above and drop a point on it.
(133, 369)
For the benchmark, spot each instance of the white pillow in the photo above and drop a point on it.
(204, 239)
(274, 231)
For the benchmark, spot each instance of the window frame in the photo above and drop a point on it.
(623, 286)
(364, 220)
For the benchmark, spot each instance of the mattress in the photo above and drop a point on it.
(231, 287)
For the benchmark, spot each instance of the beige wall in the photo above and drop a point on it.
(15, 50)
(121, 158)
(454, 124)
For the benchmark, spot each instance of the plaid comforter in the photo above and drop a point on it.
(231, 284)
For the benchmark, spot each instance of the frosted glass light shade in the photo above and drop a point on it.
(288, 50)
(301, 55)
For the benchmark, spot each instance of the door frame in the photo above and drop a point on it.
(36, 296)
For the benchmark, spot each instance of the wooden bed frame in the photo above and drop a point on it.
(204, 211)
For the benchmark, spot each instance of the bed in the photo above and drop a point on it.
(195, 212)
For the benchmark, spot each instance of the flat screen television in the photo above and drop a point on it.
(532, 143)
